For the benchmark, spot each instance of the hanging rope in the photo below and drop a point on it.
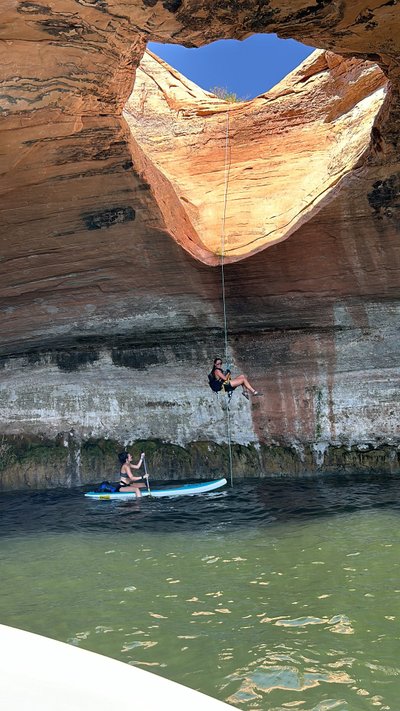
(226, 183)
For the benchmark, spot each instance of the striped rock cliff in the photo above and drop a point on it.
(112, 193)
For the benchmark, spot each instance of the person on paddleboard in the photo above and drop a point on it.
(128, 482)
(223, 378)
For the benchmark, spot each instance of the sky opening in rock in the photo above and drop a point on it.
(247, 68)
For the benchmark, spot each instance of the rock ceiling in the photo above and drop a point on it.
(94, 214)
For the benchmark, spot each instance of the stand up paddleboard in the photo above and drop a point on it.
(184, 490)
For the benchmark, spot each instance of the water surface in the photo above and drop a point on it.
(274, 595)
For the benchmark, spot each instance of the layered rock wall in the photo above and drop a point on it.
(110, 294)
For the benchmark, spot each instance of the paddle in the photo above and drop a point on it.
(147, 476)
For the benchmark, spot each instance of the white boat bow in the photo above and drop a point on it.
(41, 674)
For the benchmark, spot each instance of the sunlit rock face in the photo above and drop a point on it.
(262, 167)
(110, 291)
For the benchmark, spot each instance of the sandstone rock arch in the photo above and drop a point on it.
(288, 150)
(93, 221)
(69, 183)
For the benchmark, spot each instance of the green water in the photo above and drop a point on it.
(300, 613)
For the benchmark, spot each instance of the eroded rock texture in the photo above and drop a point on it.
(110, 297)
(263, 167)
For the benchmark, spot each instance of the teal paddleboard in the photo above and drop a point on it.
(184, 490)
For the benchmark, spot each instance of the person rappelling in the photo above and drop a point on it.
(220, 379)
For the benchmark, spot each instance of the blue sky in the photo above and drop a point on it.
(247, 68)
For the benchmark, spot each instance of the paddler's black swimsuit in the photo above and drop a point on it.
(122, 483)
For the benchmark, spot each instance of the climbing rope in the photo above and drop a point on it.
(226, 183)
